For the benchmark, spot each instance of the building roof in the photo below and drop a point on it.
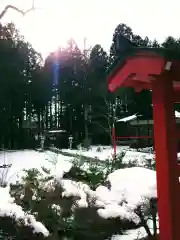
(56, 131)
(137, 116)
(127, 119)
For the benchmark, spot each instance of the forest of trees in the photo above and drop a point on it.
(34, 99)
(79, 101)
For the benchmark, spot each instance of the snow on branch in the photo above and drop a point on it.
(128, 191)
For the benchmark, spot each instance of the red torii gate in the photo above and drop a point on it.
(159, 70)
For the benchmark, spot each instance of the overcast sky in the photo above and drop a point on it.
(56, 20)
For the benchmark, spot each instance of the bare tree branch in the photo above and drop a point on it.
(16, 9)
(8, 7)
(100, 116)
(143, 221)
(98, 124)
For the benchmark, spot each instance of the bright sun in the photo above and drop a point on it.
(46, 30)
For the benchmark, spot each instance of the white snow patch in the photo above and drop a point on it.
(106, 153)
(57, 209)
(130, 183)
(135, 233)
(134, 116)
(140, 158)
(63, 166)
(78, 189)
(177, 114)
(127, 192)
(28, 159)
(127, 119)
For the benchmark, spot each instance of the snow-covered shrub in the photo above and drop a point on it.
(94, 173)
(62, 203)
(62, 206)
(86, 197)
(15, 223)
(91, 176)
(127, 197)
(11, 230)
(39, 194)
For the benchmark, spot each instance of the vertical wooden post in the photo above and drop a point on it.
(166, 158)
(114, 141)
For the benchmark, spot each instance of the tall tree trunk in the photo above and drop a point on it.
(59, 112)
(56, 109)
(51, 120)
(46, 115)
(86, 132)
(42, 119)
(39, 120)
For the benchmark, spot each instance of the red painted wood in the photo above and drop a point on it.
(134, 137)
(178, 169)
(166, 158)
(147, 71)
(140, 70)
(141, 66)
(177, 97)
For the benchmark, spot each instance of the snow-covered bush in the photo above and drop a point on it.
(62, 203)
(88, 200)
(127, 196)
(40, 195)
(15, 223)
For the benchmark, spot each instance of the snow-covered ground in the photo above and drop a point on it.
(28, 159)
(131, 155)
(119, 201)
(139, 158)
(104, 153)
(134, 234)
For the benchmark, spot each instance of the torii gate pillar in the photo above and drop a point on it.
(150, 69)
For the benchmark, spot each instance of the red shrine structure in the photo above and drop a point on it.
(158, 70)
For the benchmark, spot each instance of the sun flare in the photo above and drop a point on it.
(46, 30)
(53, 22)
(49, 26)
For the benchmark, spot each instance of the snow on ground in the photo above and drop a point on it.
(140, 158)
(9, 209)
(131, 234)
(105, 153)
(135, 234)
(131, 155)
(28, 159)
